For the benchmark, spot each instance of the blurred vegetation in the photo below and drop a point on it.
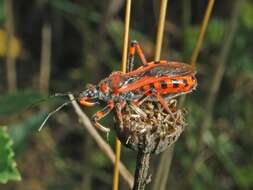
(8, 170)
(86, 46)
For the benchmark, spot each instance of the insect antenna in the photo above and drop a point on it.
(46, 98)
(54, 111)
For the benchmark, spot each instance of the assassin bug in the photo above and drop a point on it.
(154, 81)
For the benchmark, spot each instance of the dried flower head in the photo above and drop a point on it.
(150, 129)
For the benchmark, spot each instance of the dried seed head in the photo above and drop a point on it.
(149, 129)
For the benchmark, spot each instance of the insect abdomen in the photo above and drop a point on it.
(166, 85)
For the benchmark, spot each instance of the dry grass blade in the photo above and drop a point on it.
(202, 32)
(126, 35)
(161, 168)
(45, 65)
(10, 60)
(124, 61)
(123, 68)
(215, 85)
(160, 30)
(164, 166)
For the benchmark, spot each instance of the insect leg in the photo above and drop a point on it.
(143, 98)
(133, 47)
(119, 107)
(139, 101)
(163, 103)
(100, 114)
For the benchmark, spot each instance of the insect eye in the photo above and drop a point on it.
(88, 94)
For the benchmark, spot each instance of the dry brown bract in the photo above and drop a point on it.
(149, 129)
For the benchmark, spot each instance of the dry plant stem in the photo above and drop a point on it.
(159, 38)
(126, 35)
(201, 36)
(116, 164)
(160, 30)
(141, 171)
(215, 85)
(123, 68)
(45, 67)
(100, 141)
(111, 10)
(10, 60)
(202, 32)
(163, 169)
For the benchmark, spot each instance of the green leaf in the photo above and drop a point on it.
(8, 170)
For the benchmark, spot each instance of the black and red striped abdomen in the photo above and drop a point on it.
(166, 85)
(163, 85)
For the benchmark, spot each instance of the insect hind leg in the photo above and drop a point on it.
(164, 104)
(160, 99)
(133, 47)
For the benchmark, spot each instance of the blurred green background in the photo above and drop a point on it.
(61, 45)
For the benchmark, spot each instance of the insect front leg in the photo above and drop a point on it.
(100, 114)
(133, 47)
(119, 107)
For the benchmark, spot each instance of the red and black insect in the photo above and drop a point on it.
(154, 81)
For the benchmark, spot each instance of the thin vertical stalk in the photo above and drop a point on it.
(200, 39)
(215, 84)
(202, 32)
(123, 67)
(126, 35)
(159, 39)
(163, 171)
(45, 65)
(10, 60)
(160, 30)
(116, 164)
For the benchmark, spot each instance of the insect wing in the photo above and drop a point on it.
(170, 69)
(137, 83)
(154, 72)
